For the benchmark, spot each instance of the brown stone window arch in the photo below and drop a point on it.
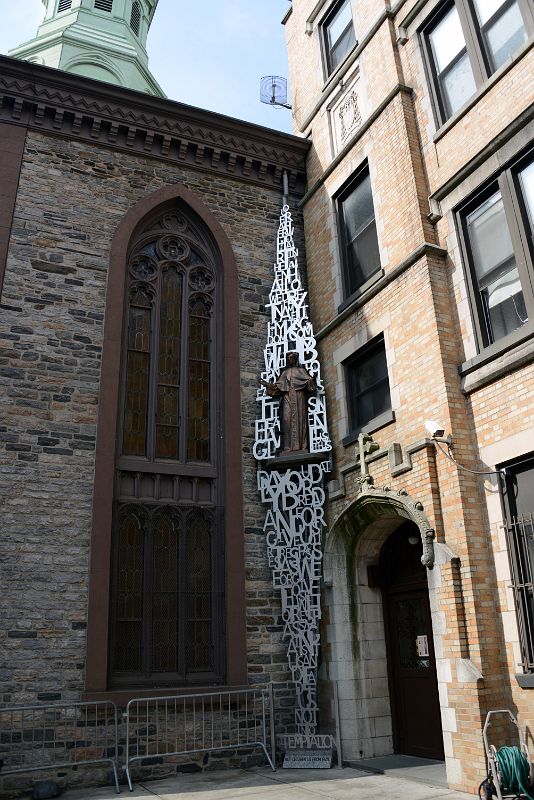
(166, 603)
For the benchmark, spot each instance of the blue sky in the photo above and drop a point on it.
(210, 54)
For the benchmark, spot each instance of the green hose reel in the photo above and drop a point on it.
(511, 772)
(514, 770)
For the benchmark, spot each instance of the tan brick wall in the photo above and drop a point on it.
(426, 320)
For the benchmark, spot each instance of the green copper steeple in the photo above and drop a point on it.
(101, 39)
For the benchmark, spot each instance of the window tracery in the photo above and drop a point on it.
(168, 549)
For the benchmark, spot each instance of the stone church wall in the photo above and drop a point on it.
(71, 198)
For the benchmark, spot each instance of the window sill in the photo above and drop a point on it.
(373, 425)
(498, 359)
(121, 697)
(466, 108)
(526, 681)
(340, 70)
(361, 290)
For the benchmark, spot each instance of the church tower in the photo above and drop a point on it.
(101, 39)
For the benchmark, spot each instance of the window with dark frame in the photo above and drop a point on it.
(64, 5)
(496, 232)
(359, 241)
(518, 491)
(167, 595)
(339, 36)
(467, 41)
(367, 386)
(104, 5)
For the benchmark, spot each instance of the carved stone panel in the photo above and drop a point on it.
(347, 113)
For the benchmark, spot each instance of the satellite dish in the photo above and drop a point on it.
(273, 91)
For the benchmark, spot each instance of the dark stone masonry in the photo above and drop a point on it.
(71, 193)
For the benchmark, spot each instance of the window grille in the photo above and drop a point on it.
(64, 5)
(520, 535)
(104, 5)
(135, 19)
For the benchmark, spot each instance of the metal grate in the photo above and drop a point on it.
(520, 535)
(135, 19)
(104, 5)
(64, 5)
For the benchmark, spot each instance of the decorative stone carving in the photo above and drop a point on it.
(292, 485)
(347, 111)
(349, 116)
(414, 508)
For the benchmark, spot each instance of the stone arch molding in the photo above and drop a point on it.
(355, 632)
(93, 58)
(170, 196)
(367, 508)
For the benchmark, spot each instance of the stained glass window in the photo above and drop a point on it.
(138, 374)
(129, 594)
(168, 547)
(199, 595)
(199, 382)
(167, 399)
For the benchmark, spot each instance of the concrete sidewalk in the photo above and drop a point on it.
(262, 784)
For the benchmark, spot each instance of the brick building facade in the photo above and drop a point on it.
(418, 223)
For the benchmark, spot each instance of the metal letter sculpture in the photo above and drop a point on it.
(294, 489)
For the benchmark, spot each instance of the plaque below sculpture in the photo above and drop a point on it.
(294, 386)
(308, 759)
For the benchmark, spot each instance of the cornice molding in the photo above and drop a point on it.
(58, 103)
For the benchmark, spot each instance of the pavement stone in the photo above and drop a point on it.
(262, 784)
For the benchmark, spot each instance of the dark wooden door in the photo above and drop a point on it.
(413, 681)
(412, 671)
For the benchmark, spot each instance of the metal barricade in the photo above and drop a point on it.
(181, 725)
(43, 737)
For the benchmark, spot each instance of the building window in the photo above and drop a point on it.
(104, 5)
(64, 5)
(135, 18)
(168, 546)
(467, 42)
(519, 502)
(164, 606)
(368, 394)
(339, 36)
(497, 237)
(361, 256)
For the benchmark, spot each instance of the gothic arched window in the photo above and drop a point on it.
(166, 618)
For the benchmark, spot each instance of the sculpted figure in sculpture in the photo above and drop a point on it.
(294, 386)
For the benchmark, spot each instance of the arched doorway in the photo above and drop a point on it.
(409, 645)
(369, 564)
